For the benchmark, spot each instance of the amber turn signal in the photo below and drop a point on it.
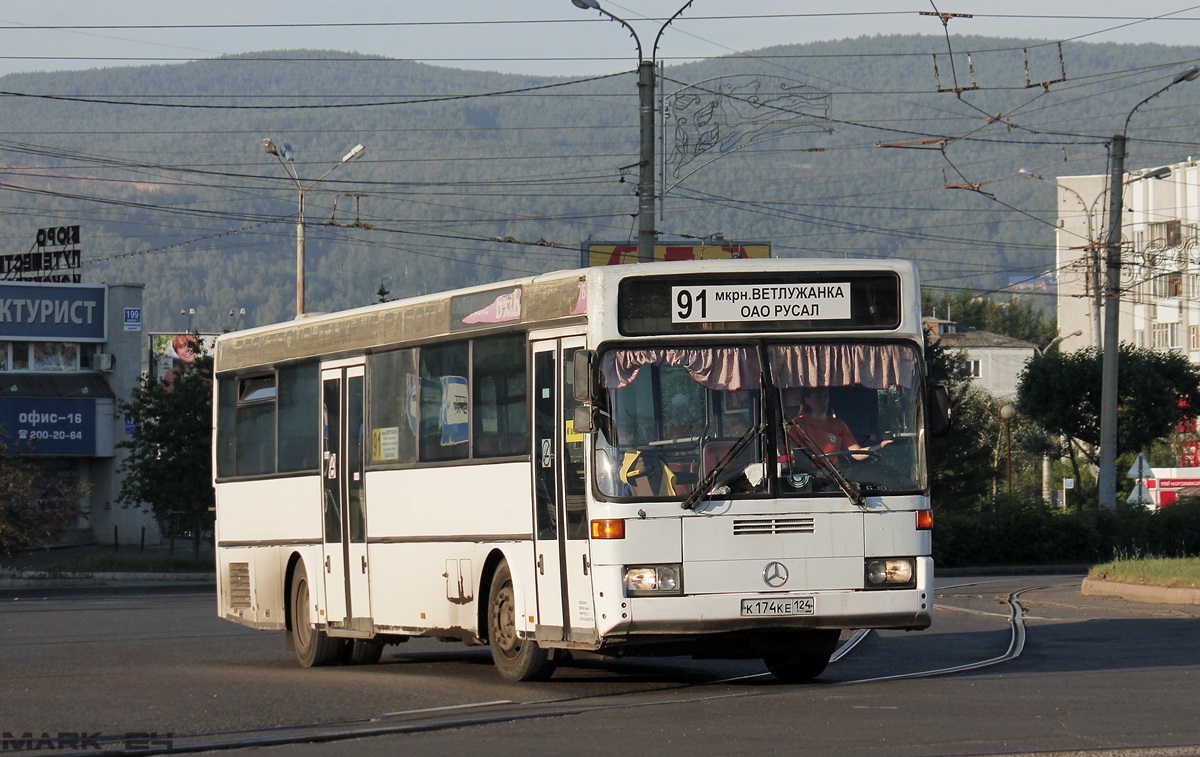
(609, 528)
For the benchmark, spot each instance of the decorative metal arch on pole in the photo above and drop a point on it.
(646, 85)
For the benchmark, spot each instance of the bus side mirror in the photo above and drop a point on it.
(583, 379)
(938, 403)
(584, 421)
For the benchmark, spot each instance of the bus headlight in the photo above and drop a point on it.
(891, 574)
(653, 580)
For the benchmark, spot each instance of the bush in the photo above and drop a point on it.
(1026, 531)
(1172, 532)
(1016, 531)
(35, 507)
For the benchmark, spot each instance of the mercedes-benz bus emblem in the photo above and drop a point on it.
(775, 574)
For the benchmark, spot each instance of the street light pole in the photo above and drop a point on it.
(646, 157)
(1092, 248)
(284, 156)
(1047, 462)
(1006, 414)
(1107, 482)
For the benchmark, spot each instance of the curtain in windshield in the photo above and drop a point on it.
(875, 366)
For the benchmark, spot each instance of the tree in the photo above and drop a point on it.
(1017, 318)
(34, 511)
(961, 463)
(169, 467)
(1157, 390)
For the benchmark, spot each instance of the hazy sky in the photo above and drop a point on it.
(533, 36)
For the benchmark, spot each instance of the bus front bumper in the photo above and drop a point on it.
(697, 614)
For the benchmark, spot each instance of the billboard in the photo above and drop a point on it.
(168, 352)
(612, 253)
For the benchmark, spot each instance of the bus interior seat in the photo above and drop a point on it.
(647, 474)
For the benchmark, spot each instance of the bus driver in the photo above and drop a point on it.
(815, 429)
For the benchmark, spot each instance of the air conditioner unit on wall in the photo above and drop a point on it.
(102, 361)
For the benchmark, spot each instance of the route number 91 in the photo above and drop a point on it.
(690, 305)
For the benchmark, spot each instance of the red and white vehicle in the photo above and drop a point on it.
(1169, 484)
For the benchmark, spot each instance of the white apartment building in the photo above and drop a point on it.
(1160, 275)
(994, 361)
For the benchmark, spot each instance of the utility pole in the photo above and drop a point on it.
(647, 235)
(1107, 480)
(646, 189)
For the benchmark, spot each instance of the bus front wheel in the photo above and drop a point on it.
(516, 659)
(314, 648)
(804, 656)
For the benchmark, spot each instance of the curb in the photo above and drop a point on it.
(24, 582)
(1013, 570)
(1140, 592)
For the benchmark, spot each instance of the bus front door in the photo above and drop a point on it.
(347, 597)
(563, 559)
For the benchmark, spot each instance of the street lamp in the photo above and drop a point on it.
(1006, 414)
(646, 83)
(284, 155)
(1047, 462)
(1107, 482)
(1043, 350)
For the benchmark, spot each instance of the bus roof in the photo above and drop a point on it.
(557, 298)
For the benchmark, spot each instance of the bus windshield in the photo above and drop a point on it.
(781, 419)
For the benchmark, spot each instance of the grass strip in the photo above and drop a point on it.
(1172, 572)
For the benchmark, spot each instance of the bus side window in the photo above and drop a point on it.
(499, 399)
(227, 396)
(444, 423)
(394, 392)
(254, 447)
(299, 443)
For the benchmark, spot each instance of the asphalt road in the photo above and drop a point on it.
(1012, 665)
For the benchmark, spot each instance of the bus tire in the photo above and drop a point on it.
(805, 657)
(314, 648)
(362, 652)
(516, 659)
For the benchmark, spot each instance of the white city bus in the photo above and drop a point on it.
(610, 460)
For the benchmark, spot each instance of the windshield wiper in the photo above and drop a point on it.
(823, 462)
(691, 500)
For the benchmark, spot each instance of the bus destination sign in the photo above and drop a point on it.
(726, 303)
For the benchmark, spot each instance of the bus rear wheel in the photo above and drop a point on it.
(804, 657)
(362, 652)
(516, 659)
(314, 648)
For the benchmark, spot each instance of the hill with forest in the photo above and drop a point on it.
(886, 146)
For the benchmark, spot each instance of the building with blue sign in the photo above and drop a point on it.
(67, 353)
